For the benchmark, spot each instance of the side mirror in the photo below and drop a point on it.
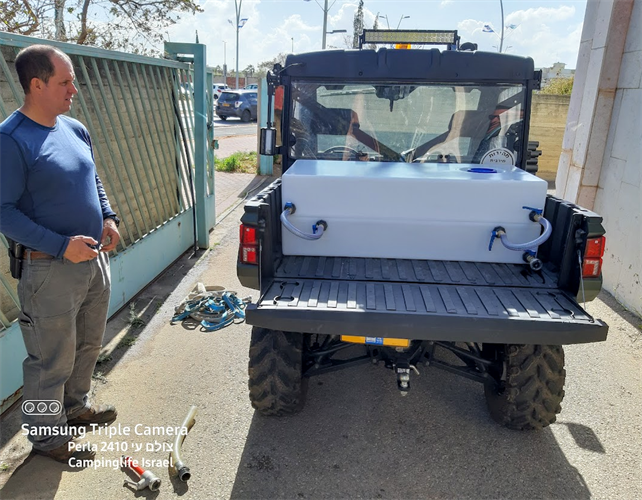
(267, 144)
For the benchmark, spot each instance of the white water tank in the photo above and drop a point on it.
(410, 210)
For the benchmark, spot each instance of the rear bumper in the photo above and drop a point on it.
(232, 111)
(505, 315)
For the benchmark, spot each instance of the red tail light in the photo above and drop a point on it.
(592, 265)
(595, 247)
(248, 235)
(249, 244)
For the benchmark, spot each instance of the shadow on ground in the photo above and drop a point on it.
(358, 438)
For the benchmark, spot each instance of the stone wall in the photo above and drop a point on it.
(548, 121)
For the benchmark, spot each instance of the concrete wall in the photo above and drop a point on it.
(619, 198)
(600, 162)
(548, 121)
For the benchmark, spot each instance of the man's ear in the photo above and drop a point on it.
(36, 84)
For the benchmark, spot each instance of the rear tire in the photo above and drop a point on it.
(276, 382)
(222, 117)
(526, 389)
(246, 116)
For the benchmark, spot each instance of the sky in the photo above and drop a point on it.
(546, 30)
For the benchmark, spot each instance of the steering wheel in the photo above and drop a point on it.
(436, 157)
(343, 149)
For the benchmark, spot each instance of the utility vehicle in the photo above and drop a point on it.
(409, 220)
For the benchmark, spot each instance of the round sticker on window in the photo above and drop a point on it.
(498, 156)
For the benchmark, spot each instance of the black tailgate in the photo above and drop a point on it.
(445, 301)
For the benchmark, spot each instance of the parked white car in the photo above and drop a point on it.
(218, 88)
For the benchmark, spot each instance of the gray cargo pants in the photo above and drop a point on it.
(63, 318)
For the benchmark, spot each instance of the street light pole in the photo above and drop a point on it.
(402, 18)
(501, 40)
(325, 23)
(325, 10)
(224, 62)
(237, 5)
(386, 18)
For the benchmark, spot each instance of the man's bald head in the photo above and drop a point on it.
(36, 61)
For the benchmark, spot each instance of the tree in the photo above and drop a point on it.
(22, 16)
(358, 25)
(375, 26)
(558, 86)
(132, 25)
(265, 66)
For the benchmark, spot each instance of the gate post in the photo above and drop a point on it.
(196, 53)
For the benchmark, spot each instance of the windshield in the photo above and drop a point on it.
(412, 123)
(229, 97)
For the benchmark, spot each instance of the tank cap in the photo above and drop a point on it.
(482, 170)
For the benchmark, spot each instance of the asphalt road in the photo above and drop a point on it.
(356, 437)
(233, 126)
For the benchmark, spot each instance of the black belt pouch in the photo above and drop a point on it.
(16, 252)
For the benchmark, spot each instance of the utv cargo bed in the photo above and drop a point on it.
(422, 300)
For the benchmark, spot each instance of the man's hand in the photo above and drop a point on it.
(79, 250)
(110, 237)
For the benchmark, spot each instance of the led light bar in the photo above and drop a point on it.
(416, 37)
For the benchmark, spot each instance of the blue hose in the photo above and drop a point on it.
(317, 229)
(531, 245)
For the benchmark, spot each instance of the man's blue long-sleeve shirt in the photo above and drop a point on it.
(49, 188)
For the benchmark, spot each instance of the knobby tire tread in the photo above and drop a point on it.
(532, 393)
(275, 371)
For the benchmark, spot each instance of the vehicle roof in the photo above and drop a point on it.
(240, 91)
(411, 65)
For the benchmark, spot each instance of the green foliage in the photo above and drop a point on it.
(104, 358)
(127, 341)
(238, 162)
(131, 25)
(21, 16)
(265, 66)
(558, 86)
(134, 319)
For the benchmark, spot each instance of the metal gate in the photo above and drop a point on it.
(151, 144)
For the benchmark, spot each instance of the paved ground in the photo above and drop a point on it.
(356, 437)
(231, 144)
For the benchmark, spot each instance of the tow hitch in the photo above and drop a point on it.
(402, 369)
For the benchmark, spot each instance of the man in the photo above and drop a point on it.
(53, 203)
